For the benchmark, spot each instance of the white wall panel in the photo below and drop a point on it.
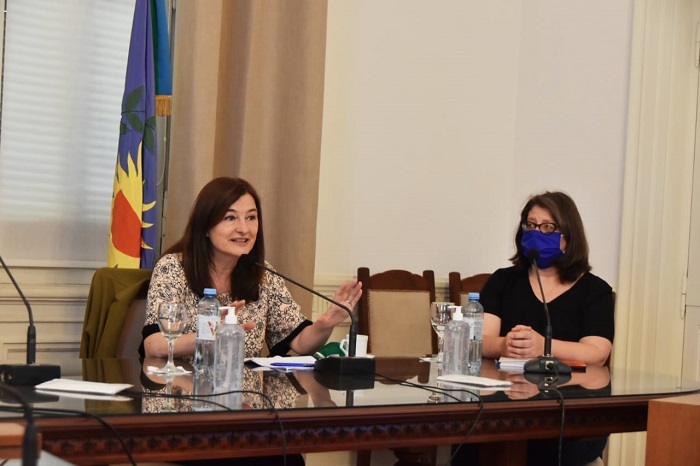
(439, 121)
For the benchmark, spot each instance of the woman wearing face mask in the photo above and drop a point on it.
(580, 303)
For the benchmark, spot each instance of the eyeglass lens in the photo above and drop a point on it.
(546, 228)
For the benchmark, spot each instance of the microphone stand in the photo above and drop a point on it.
(30, 373)
(345, 365)
(546, 371)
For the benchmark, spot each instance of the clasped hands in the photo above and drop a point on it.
(523, 342)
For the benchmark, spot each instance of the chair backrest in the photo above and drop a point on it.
(461, 287)
(108, 307)
(394, 311)
(131, 336)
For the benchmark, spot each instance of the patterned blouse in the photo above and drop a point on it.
(278, 318)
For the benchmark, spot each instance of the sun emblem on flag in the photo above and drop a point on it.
(127, 209)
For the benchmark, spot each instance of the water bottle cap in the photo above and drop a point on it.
(230, 319)
(209, 291)
(473, 296)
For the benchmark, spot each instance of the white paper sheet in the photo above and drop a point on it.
(81, 386)
(476, 381)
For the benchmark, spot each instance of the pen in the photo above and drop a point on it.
(292, 364)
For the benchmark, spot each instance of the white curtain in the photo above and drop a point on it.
(657, 194)
(63, 73)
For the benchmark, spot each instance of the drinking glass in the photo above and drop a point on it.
(172, 322)
(440, 314)
(436, 396)
(168, 405)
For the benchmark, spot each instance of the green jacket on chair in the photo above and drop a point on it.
(111, 293)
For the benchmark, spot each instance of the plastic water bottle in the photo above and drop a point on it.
(208, 317)
(474, 315)
(456, 344)
(203, 391)
(229, 358)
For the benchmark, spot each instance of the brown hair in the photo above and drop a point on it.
(565, 214)
(209, 209)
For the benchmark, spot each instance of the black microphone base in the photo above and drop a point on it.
(547, 372)
(29, 394)
(344, 382)
(346, 365)
(546, 382)
(546, 365)
(28, 374)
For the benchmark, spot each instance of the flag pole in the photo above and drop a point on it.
(164, 121)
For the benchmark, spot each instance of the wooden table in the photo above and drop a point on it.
(390, 415)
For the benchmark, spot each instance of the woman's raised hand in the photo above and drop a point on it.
(347, 294)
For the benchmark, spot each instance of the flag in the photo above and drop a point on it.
(133, 229)
(161, 59)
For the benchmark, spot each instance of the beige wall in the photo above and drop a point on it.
(440, 120)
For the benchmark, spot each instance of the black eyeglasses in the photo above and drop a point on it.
(546, 228)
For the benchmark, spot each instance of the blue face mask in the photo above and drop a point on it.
(549, 246)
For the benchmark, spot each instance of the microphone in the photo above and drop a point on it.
(547, 364)
(30, 373)
(349, 364)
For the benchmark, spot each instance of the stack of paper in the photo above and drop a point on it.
(80, 386)
(84, 389)
(518, 364)
(511, 364)
(284, 363)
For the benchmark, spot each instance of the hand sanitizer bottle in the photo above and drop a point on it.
(456, 344)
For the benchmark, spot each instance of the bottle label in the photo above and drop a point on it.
(206, 327)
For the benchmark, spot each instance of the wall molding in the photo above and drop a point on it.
(57, 297)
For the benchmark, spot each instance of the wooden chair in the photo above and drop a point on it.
(131, 336)
(460, 287)
(116, 302)
(394, 311)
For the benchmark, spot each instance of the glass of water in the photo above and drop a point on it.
(440, 314)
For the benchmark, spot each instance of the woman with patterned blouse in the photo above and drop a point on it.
(226, 222)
